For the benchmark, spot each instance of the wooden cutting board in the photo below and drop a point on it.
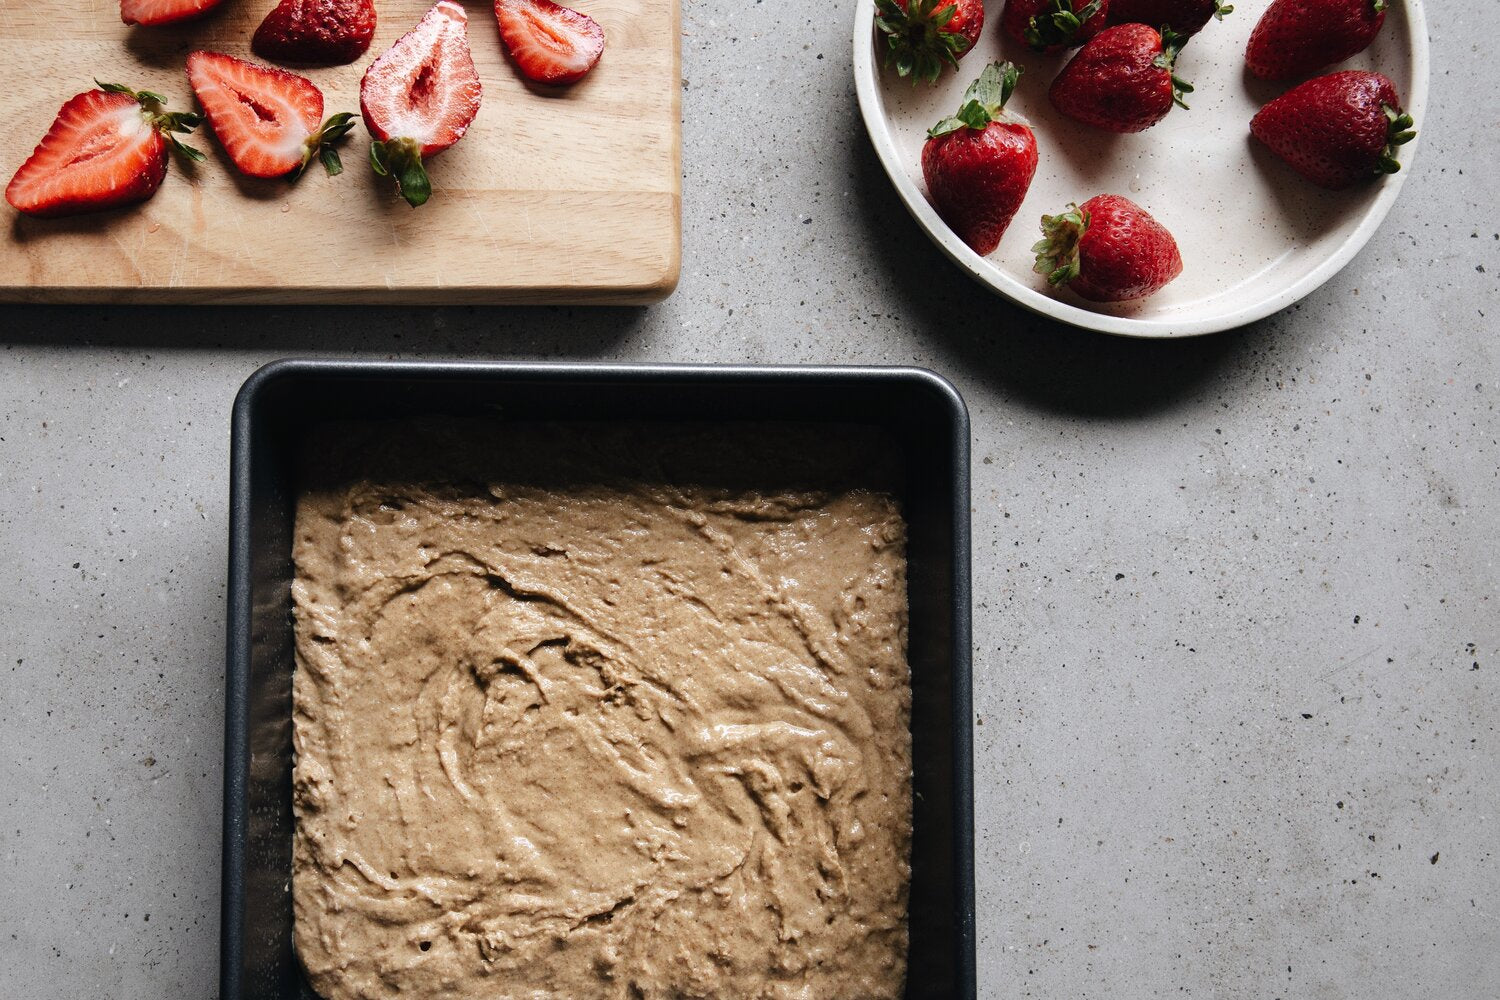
(555, 195)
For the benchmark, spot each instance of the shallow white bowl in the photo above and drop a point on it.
(1255, 237)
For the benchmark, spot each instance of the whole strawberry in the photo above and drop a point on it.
(1337, 130)
(1186, 17)
(316, 32)
(1054, 25)
(1109, 249)
(923, 36)
(978, 164)
(1122, 81)
(1298, 37)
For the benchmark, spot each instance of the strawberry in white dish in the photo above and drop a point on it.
(419, 98)
(269, 121)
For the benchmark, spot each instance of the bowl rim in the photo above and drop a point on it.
(867, 72)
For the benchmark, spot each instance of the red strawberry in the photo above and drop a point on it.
(1297, 37)
(316, 32)
(1337, 130)
(266, 119)
(163, 11)
(549, 43)
(979, 163)
(1122, 81)
(1054, 25)
(923, 36)
(1186, 17)
(419, 98)
(1109, 249)
(107, 148)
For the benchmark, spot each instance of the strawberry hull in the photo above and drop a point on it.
(1052, 26)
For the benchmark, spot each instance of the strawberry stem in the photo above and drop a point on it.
(1171, 47)
(1058, 27)
(319, 145)
(401, 159)
(1398, 132)
(1221, 9)
(166, 122)
(984, 101)
(918, 43)
(1057, 251)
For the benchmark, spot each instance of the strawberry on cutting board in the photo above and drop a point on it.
(1186, 17)
(1299, 37)
(420, 97)
(979, 164)
(1109, 249)
(107, 147)
(1122, 80)
(1054, 25)
(269, 121)
(923, 36)
(547, 42)
(149, 12)
(315, 32)
(1337, 130)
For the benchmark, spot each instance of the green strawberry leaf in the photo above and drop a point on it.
(984, 100)
(919, 39)
(184, 149)
(401, 159)
(1057, 252)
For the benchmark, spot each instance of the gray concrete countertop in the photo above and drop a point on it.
(1237, 650)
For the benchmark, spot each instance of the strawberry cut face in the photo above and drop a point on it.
(147, 12)
(101, 152)
(549, 43)
(263, 116)
(424, 88)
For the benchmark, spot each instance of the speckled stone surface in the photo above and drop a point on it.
(1237, 636)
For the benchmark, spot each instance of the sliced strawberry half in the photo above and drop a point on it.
(266, 119)
(106, 148)
(549, 43)
(163, 11)
(419, 98)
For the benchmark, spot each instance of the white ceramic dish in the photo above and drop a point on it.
(1255, 237)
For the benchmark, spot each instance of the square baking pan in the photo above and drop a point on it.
(918, 410)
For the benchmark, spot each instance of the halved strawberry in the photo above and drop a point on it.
(316, 32)
(163, 11)
(548, 42)
(266, 118)
(106, 148)
(419, 98)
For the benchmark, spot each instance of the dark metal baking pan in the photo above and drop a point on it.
(919, 410)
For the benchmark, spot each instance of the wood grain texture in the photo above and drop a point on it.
(568, 195)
